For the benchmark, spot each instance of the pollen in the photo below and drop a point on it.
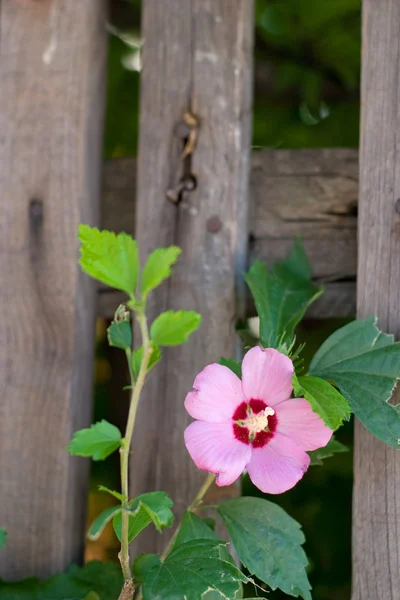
(259, 422)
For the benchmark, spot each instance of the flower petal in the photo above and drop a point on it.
(214, 448)
(267, 375)
(217, 393)
(297, 420)
(278, 466)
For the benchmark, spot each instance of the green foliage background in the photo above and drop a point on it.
(306, 95)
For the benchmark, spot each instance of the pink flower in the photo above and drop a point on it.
(253, 424)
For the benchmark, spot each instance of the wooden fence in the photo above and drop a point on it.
(197, 59)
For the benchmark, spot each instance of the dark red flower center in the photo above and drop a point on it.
(254, 423)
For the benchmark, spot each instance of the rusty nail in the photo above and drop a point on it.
(214, 224)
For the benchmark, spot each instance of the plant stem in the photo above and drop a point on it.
(125, 449)
(195, 504)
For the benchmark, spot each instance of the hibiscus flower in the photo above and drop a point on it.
(253, 423)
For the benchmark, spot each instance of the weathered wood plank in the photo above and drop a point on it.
(200, 49)
(52, 75)
(311, 193)
(376, 499)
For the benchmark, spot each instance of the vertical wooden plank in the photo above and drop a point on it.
(52, 75)
(376, 505)
(200, 49)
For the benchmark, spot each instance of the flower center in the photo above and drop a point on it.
(257, 423)
(254, 423)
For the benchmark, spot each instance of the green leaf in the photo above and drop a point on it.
(324, 399)
(332, 447)
(173, 328)
(158, 267)
(3, 538)
(109, 258)
(282, 296)
(98, 442)
(233, 365)
(137, 358)
(268, 543)
(194, 528)
(120, 334)
(153, 507)
(103, 579)
(117, 495)
(143, 563)
(193, 571)
(100, 523)
(364, 364)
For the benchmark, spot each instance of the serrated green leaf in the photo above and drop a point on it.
(103, 579)
(324, 399)
(268, 542)
(234, 365)
(120, 335)
(137, 357)
(192, 571)
(117, 495)
(153, 507)
(332, 447)
(3, 538)
(100, 523)
(143, 563)
(172, 328)
(194, 528)
(364, 364)
(158, 267)
(98, 442)
(282, 296)
(109, 258)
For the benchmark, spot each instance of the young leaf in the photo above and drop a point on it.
(117, 495)
(192, 571)
(268, 543)
(98, 442)
(137, 358)
(282, 296)
(119, 334)
(234, 365)
(158, 267)
(332, 447)
(3, 537)
(153, 507)
(325, 400)
(364, 364)
(109, 258)
(100, 523)
(173, 328)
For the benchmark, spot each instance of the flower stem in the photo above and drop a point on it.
(125, 449)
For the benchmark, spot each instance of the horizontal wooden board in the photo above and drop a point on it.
(307, 193)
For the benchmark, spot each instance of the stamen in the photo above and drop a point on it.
(259, 422)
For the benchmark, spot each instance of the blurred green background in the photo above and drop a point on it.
(306, 95)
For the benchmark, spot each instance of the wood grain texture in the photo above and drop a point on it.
(376, 500)
(200, 49)
(52, 75)
(311, 193)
